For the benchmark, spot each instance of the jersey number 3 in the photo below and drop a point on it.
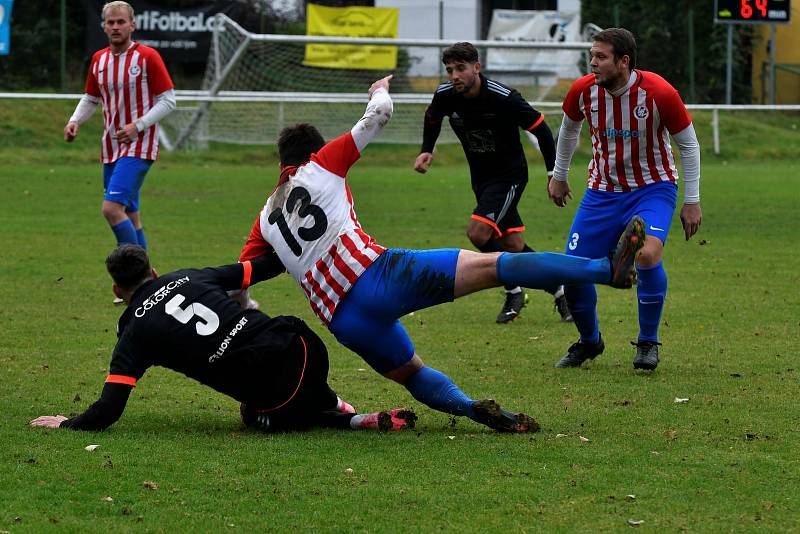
(209, 320)
(307, 209)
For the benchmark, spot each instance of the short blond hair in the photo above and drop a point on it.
(111, 6)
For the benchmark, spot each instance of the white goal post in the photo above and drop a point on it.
(255, 84)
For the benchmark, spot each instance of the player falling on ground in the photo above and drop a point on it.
(487, 116)
(360, 289)
(184, 321)
(136, 92)
(631, 115)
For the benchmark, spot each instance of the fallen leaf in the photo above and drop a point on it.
(148, 484)
(671, 434)
(451, 437)
(561, 435)
(77, 398)
(681, 400)
(107, 499)
(630, 498)
(583, 440)
(635, 522)
(348, 471)
(92, 448)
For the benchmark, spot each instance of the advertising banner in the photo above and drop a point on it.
(5, 26)
(178, 34)
(534, 26)
(355, 21)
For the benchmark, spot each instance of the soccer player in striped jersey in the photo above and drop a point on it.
(487, 117)
(360, 289)
(277, 368)
(136, 92)
(631, 114)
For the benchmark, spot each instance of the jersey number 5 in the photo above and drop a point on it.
(209, 319)
(307, 209)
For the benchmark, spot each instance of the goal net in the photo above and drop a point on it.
(256, 84)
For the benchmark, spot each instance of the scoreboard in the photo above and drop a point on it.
(752, 11)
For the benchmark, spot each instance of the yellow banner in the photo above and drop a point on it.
(354, 21)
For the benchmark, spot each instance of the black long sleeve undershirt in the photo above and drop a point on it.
(104, 412)
(547, 145)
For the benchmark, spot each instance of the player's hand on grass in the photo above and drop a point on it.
(49, 421)
(559, 192)
(383, 83)
(127, 133)
(423, 162)
(691, 216)
(71, 131)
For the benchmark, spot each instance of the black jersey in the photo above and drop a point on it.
(488, 128)
(185, 321)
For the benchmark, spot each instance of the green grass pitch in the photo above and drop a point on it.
(726, 460)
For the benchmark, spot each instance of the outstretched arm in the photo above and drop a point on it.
(102, 414)
(379, 111)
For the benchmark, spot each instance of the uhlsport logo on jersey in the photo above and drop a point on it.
(134, 71)
(612, 133)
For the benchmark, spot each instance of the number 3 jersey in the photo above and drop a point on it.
(186, 322)
(310, 220)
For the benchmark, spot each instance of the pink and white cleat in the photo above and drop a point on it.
(396, 419)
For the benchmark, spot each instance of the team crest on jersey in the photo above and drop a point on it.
(641, 112)
(134, 71)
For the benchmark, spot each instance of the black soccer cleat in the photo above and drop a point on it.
(252, 418)
(623, 270)
(580, 352)
(489, 413)
(561, 306)
(646, 355)
(513, 306)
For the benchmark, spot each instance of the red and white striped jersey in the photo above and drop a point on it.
(630, 141)
(127, 84)
(310, 222)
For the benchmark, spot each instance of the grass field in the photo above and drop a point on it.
(726, 460)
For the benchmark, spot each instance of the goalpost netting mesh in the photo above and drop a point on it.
(255, 85)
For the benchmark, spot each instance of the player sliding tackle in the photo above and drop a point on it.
(359, 289)
(185, 321)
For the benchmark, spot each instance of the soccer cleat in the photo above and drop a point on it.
(253, 418)
(342, 406)
(623, 271)
(489, 413)
(396, 419)
(646, 355)
(514, 304)
(117, 301)
(580, 352)
(560, 304)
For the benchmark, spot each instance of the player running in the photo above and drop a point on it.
(487, 116)
(631, 115)
(359, 289)
(184, 321)
(136, 91)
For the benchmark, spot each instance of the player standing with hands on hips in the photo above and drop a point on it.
(631, 114)
(487, 116)
(136, 92)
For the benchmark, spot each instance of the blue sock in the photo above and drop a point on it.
(651, 290)
(582, 301)
(545, 270)
(125, 232)
(140, 238)
(436, 390)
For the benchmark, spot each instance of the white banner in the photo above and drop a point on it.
(534, 26)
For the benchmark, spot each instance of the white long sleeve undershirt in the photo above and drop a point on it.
(686, 139)
(165, 103)
(378, 112)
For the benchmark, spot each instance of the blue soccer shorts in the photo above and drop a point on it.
(603, 215)
(122, 180)
(399, 282)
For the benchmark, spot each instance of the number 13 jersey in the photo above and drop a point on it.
(310, 222)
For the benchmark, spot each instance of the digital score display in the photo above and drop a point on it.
(752, 11)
